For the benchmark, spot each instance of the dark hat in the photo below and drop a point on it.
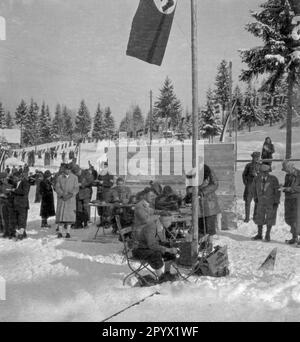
(47, 174)
(255, 154)
(265, 168)
(120, 179)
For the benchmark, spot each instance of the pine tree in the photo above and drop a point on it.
(222, 84)
(138, 123)
(20, 115)
(83, 121)
(2, 117)
(31, 134)
(278, 57)
(167, 109)
(44, 125)
(251, 114)
(57, 124)
(126, 124)
(210, 123)
(9, 122)
(109, 124)
(98, 126)
(67, 124)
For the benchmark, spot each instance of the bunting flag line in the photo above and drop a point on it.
(150, 30)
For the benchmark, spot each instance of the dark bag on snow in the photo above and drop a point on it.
(215, 264)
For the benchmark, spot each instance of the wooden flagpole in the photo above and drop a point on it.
(195, 202)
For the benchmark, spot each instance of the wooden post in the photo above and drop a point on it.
(230, 98)
(195, 202)
(151, 115)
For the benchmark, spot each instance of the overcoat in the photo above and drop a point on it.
(66, 209)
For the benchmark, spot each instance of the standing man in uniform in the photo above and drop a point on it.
(266, 196)
(250, 172)
(292, 200)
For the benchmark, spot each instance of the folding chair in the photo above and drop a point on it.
(142, 264)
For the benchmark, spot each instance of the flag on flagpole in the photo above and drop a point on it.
(150, 30)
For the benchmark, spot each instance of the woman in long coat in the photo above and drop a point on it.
(267, 150)
(66, 188)
(208, 203)
(47, 202)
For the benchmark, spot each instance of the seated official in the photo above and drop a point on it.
(168, 200)
(144, 210)
(153, 247)
(121, 194)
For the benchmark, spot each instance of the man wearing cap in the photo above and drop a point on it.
(66, 188)
(153, 246)
(292, 200)
(266, 195)
(250, 172)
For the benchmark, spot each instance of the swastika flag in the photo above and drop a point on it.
(150, 30)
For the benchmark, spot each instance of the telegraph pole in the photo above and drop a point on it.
(151, 115)
(195, 202)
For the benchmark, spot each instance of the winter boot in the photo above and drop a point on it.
(292, 241)
(68, 236)
(267, 236)
(258, 236)
(59, 235)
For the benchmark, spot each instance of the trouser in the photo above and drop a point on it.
(248, 207)
(154, 258)
(82, 212)
(37, 193)
(21, 217)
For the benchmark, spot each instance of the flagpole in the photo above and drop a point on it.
(195, 201)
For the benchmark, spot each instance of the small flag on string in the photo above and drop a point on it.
(150, 30)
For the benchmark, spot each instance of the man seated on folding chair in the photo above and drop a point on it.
(153, 247)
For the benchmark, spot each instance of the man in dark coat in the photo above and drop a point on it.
(47, 199)
(250, 172)
(292, 200)
(38, 177)
(266, 195)
(21, 204)
(4, 211)
(85, 180)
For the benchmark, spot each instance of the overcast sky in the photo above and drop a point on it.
(66, 50)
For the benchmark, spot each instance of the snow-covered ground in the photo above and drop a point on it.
(56, 280)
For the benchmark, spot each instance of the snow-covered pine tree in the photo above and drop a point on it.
(251, 114)
(44, 125)
(126, 124)
(9, 122)
(2, 116)
(31, 134)
(83, 121)
(98, 132)
(67, 124)
(278, 57)
(57, 124)
(167, 108)
(109, 124)
(20, 115)
(222, 86)
(210, 123)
